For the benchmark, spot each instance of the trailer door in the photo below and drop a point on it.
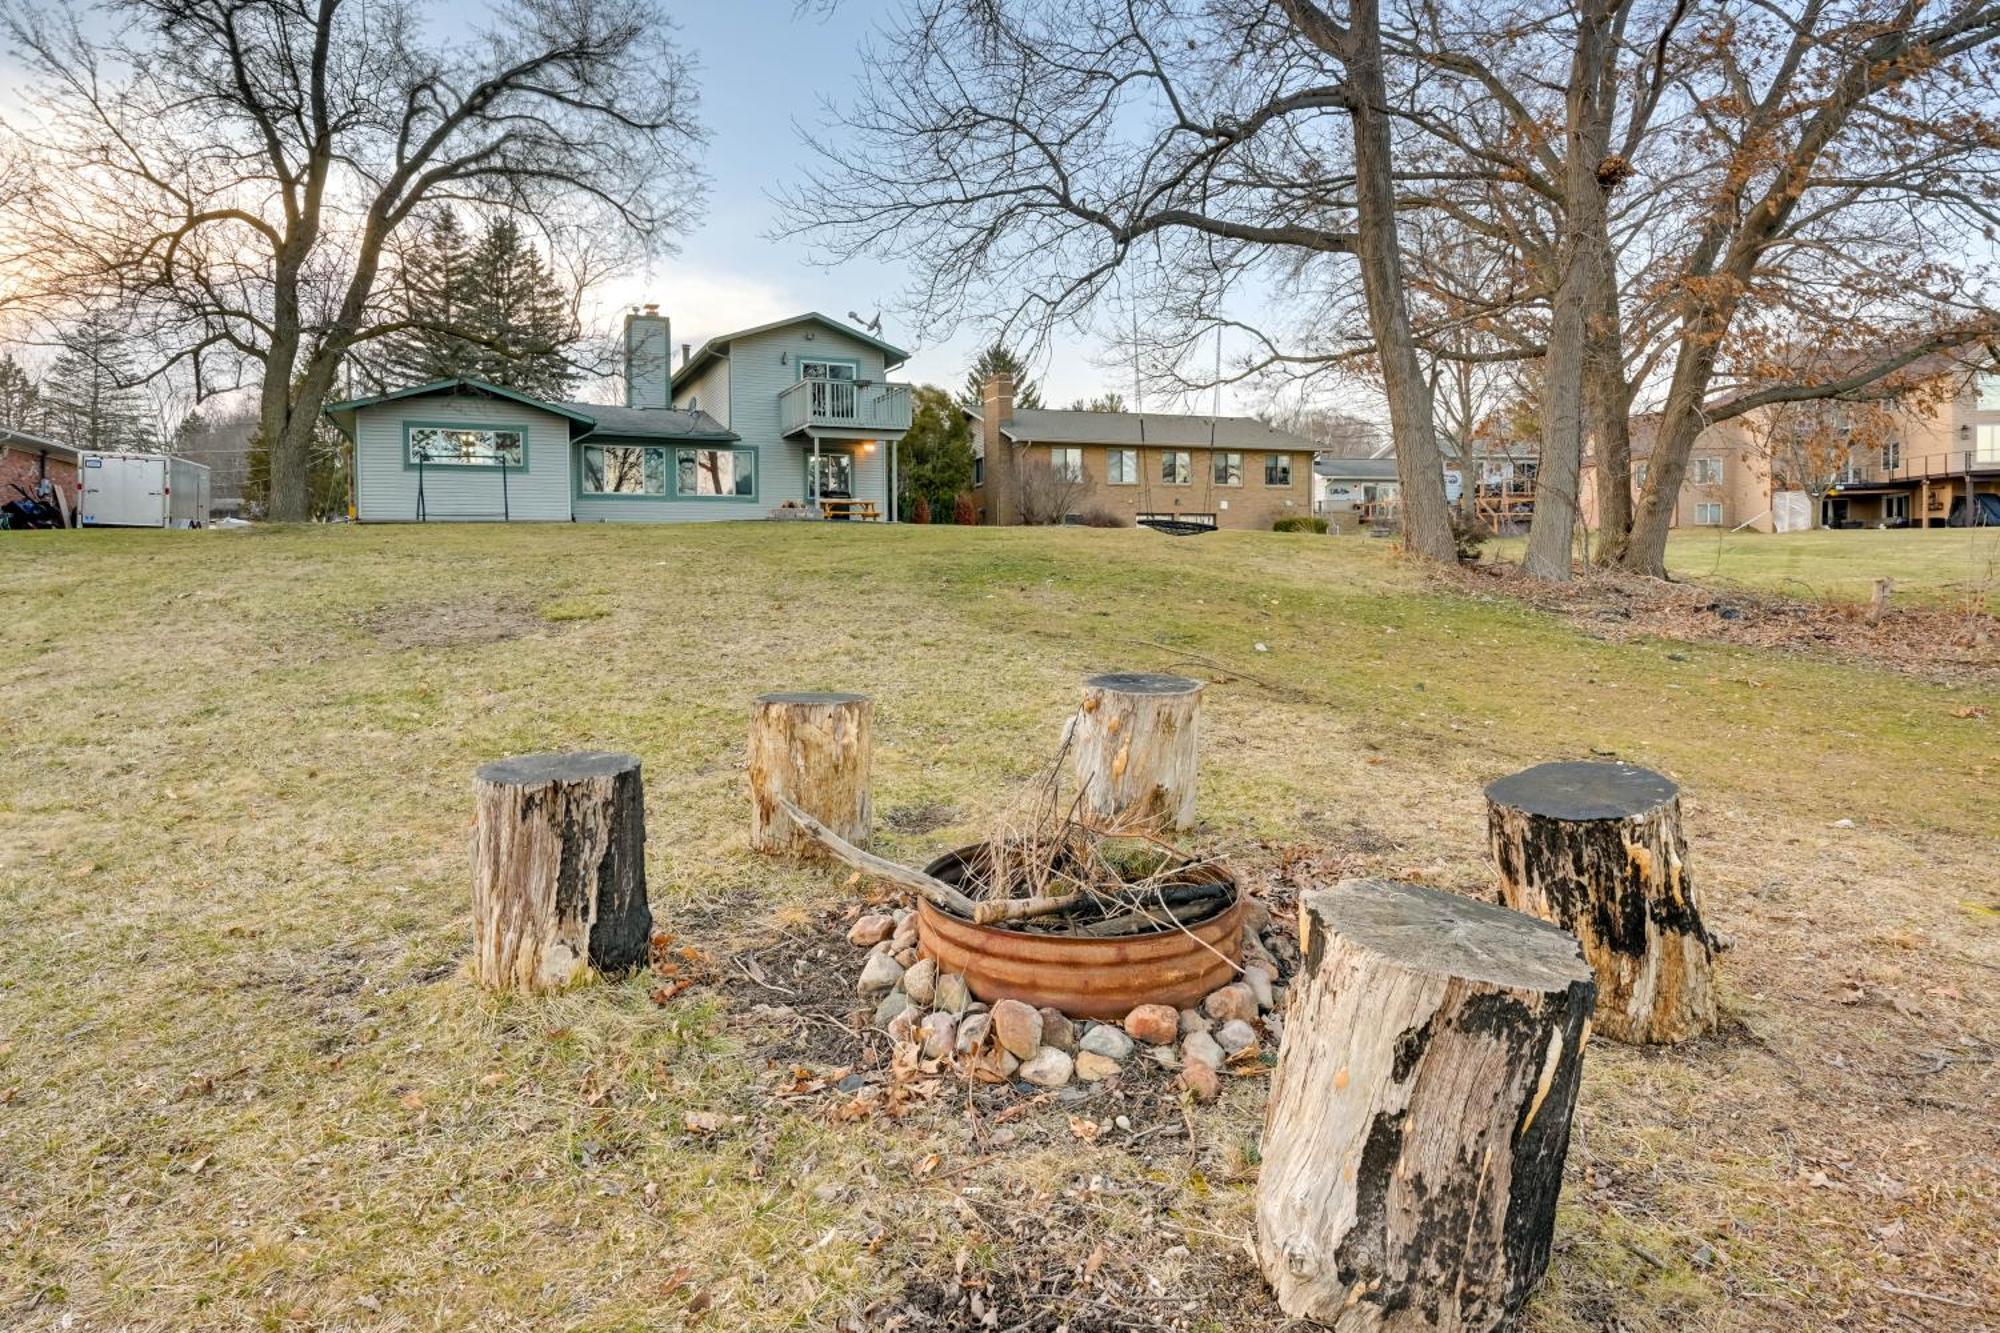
(120, 490)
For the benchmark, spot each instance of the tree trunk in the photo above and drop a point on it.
(1134, 745)
(558, 870)
(1597, 849)
(1607, 400)
(1414, 1140)
(1378, 248)
(814, 751)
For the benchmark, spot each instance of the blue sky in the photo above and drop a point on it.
(765, 70)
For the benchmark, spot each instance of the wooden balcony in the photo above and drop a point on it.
(859, 407)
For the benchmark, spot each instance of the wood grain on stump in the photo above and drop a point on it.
(558, 869)
(1414, 1139)
(1134, 744)
(1597, 849)
(814, 751)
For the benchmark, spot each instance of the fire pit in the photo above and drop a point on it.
(1082, 975)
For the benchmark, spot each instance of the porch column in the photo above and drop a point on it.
(892, 481)
(812, 476)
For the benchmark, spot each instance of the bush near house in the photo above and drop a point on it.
(1300, 523)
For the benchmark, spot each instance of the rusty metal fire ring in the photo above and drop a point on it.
(1083, 977)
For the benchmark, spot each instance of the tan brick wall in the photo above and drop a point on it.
(1251, 506)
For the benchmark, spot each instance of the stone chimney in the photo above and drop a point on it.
(996, 406)
(648, 359)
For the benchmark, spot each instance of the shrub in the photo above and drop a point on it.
(920, 510)
(1468, 534)
(1300, 523)
(962, 512)
(1100, 518)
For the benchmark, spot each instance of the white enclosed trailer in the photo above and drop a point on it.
(141, 491)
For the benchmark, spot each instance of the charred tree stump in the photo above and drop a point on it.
(1134, 746)
(558, 870)
(813, 751)
(1414, 1140)
(1597, 849)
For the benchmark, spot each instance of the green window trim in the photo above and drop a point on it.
(655, 462)
(410, 463)
(685, 455)
(670, 465)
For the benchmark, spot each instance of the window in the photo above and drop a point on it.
(1121, 467)
(466, 446)
(1895, 509)
(1067, 463)
(1229, 469)
(1989, 393)
(1175, 467)
(1892, 455)
(617, 469)
(723, 472)
(1708, 515)
(1987, 443)
(828, 370)
(1708, 472)
(979, 469)
(1277, 469)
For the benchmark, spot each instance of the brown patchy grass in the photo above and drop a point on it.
(244, 1084)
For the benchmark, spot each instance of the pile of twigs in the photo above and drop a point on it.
(1049, 871)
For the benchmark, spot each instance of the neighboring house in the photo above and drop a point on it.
(1920, 474)
(1224, 472)
(768, 419)
(1348, 487)
(37, 468)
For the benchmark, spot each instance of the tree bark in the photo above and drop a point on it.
(1607, 402)
(558, 870)
(1135, 747)
(812, 750)
(1598, 850)
(1414, 1140)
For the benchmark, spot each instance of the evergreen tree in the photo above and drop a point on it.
(431, 293)
(935, 454)
(995, 360)
(513, 298)
(1105, 402)
(20, 400)
(90, 399)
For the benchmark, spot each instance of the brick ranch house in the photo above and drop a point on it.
(37, 468)
(1222, 472)
(1934, 467)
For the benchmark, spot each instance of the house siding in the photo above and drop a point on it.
(1252, 506)
(756, 378)
(709, 391)
(385, 485)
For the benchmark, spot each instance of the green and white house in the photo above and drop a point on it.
(763, 422)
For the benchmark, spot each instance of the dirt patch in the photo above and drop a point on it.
(1942, 644)
(920, 817)
(451, 624)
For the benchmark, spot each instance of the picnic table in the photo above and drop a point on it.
(851, 509)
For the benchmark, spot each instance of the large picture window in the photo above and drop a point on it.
(724, 472)
(466, 446)
(617, 469)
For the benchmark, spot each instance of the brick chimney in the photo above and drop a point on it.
(996, 406)
(648, 360)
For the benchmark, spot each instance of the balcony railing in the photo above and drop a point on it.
(844, 405)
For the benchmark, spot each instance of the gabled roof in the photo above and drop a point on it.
(572, 411)
(718, 347)
(594, 418)
(1355, 469)
(1156, 429)
(37, 444)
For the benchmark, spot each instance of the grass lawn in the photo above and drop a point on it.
(1936, 566)
(244, 1083)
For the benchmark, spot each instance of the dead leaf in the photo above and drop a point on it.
(413, 1101)
(704, 1122)
(1087, 1130)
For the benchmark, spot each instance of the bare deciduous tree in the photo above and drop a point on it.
(235, 170)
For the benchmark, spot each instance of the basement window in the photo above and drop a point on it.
(1708, 515)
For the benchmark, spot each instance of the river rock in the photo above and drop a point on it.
(1198, 1048)
(879, 976)
(1192, 1021)
(920, 981)
(871, 928)
(1018, 1026)
(1057, 1030)
(1049, 1068)
(1259, 979)
(950, 994)
(1236, 1037)
(1201, 1080)
(906, 931)
(939, 1032)
(1154, 1024)
(1090, 1066)
(972, 1033)
(1234, 1002)
(1104, 1040)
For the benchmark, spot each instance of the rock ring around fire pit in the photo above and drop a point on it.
(1084, 977)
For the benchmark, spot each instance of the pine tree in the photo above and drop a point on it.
(514, 299)
(90, 398)
(431, 293)
(20, 400)
(936, 453)
(997, 359)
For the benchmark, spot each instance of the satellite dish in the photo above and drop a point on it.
(874, 325)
